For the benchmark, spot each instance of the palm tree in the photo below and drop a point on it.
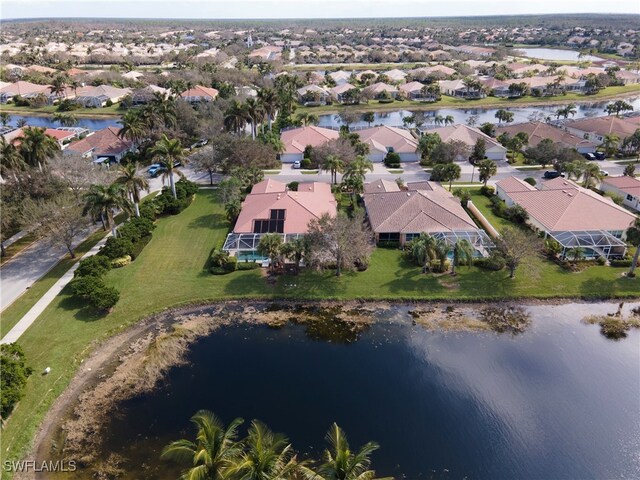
(423, 250)
(255, 114)
(610, 143)
(36, 147)
(65, 119)
(355, 173)
(271, 246)
(369, 117)
(236, 117)
(307, 118)
(161, 109)
(268, 456)
(633, 237)
(214, 452)
(104, 200)
(269, 101)
(232, 210)
(170, 153)
(58, 86)
(462, 252)
(340, 463)
(10, 159)
(590, 173)
(133, 183)
(335, 165)
(449, 120)
(295, 250)
(487, 169)
(134, 126)
(5, 118)
(442, 249)
(438, 120)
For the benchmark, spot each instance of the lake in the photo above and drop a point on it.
(90, 123)
(461, 115)
(557, 401)
(557, 54)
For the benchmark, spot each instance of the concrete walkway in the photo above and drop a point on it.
(31, 316)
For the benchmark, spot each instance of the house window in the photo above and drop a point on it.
(274, 224)
(389, 237)
(389, 149)
(410, 236)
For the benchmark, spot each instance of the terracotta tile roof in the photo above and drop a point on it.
(538, 131)
(466, 134)
(411, 87)
(24, 88)
(561, 205)
(514, 184)
(296, 139)
(345, 87)
(108, 90)
(381, 186)
(60, 135)
(630, 185)
(309, 202)
(200, 91)
(103, 142)
(382, 137)
(623, 126)
(417, 211)
(380, 87)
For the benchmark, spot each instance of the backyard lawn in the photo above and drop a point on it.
(171, 271)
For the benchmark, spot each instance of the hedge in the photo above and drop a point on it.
(623, 262)
(248, 265)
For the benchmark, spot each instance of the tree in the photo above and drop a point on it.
(170, 153)
(340, 463)
(36, 147)
(355, 173)
(60, 220)
(633, 237)
(423, 250)
(78, 174)
(5, 118)
(487, 169)
(591, 174)
(10, 159)
(515, 246)
(488, 128)
(479, 151)
(427, 144)
(610, 143)
(65, 119)
(271, 246)
(447, 172)
(629, 170)
(214, 452)
(205, 161)
(135, 126)
(334, 165)
(255, 114)
(13, 379)
(347, 117)
(104, 201)
(307, 118)
(369, 117)
(269, 101)
(232, 210)
(617, 107)
(504, 116)
(267, 456)
(132, 183)
(295, 250)
(543, 153)
(462, 253)
(341, 241)
(236, 117)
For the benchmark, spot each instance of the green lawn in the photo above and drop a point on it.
(17, 246)
(171, 271)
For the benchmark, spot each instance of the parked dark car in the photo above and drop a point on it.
(550, 174)
(600, 155)
(589, 156)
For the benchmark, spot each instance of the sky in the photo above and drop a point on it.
(220, 9)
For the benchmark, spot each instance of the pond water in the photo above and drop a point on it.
(557, 401)
(557, 54)
(461, 115)
(90, 123)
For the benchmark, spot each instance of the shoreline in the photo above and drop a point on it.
(129, 362)
(379, 107)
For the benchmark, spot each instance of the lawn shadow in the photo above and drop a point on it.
(210, 220)
(83, 310)
(604, 288)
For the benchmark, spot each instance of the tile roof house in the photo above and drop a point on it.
(295, 140)
(469, 135)
(338, 92)
(538, 131)
(628, 188)
(103, 146)
(313, 95)
(63, 137)
(384, 139)
(416, 91)
(272, 208)
(23, 89)
(381, 90)
(396, 75)
(96, 97)
(340, 77)
(457, 88)
(199, 94)
(400, 215)
(572, 215)
(596, 128)
(142, 96)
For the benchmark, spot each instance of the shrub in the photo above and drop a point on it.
(218, 271)
(305, 163)
(492, 262)
(531, 181)
(248, 265)
(293, 186)
(516, 214)
(94, 266)
(231, 264)
(121, 262)
(601, 260)
(392, 160)
(84, 286)
(487, 190)
(104, 298)
(623, 262)
(139, 246)
(437, 267)
(136, 228)
(389, 244)
(109, 102)
(13, 378)
(116, 248)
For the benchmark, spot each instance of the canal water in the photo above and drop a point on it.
(557, 54)
(558, 401)
(392, 118)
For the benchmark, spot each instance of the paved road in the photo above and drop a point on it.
(18, 274)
